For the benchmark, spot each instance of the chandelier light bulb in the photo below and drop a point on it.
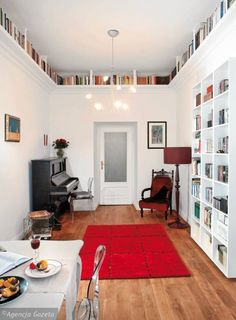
(125, 106)
(117, 104)
(105, 78)
(118, 87)
(98, 106)
(132, 89)
(88, 96)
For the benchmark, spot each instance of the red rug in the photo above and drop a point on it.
(132, 251)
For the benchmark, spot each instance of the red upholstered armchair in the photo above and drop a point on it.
(160, 193)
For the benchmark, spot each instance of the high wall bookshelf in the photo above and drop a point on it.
(12, 36)
(213, 205)
(201, 33)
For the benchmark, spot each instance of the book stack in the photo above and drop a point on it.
(223, 116)
(208, 170)
(222, 172)
(224, 85)
(209, 145)
(196, 184)
(209, 93)
(222, 254)
(223, 145)
(201, 34)
(198, 99)
(222, 217)
(75, 80)
(196, 167)
(207, 214)
(221, 203)
(152, 80)
(210, 119)
(208, 194)
(197, 122)
(197, 143)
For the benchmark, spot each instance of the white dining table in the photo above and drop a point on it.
(49, 290)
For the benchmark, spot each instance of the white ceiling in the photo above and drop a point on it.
(73, 33)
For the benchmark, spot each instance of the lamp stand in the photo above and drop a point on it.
(177, 224)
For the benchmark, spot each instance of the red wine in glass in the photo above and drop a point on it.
(35, 243)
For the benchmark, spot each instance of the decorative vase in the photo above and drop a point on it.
(60, 153)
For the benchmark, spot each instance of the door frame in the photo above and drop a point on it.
(98, 126)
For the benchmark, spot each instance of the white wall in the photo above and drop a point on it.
(213, 55)
(22, 97)
(73, 117)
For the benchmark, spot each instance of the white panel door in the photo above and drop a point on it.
(115, 165)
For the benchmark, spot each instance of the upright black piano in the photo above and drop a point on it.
(51, 185)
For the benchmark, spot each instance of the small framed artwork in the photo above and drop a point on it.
(12, 128)
(157, 134)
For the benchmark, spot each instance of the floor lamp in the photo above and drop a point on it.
(177, 156)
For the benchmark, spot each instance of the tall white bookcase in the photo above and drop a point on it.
(213, 194)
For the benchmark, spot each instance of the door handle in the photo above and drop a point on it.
(102, 165)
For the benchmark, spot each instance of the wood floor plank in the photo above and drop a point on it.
(206, 295)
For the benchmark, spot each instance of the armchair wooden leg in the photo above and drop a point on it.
(171, 209)
(141, 212)
(151, 210)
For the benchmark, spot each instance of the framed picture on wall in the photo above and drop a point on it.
(157, 134)
(12, 128)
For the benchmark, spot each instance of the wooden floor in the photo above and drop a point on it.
(207, 294)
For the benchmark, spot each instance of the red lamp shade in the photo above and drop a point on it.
(177, 155)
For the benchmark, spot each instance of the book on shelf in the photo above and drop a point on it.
(208, 145)
(190, 49)
(222, 254)
(208, 170)
(222, 217)
(207, 215)
(197, 122)
(197, 142)
(223, 116)
(229, 3)
(223, 85)
(197, 210)
(223, 145)
(200, 34)
(222, 171)
(196, 167)
(221, 203)
(198, 99)
(11, 260)
(208, 194)
(196, 184)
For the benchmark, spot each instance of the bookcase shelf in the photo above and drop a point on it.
(214, 187)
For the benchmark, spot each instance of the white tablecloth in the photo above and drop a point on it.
(66, 281)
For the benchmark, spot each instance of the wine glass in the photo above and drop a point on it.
(35, 243)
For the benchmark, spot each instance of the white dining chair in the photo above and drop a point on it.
(81, 195)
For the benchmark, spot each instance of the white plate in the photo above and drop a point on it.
(54, 267)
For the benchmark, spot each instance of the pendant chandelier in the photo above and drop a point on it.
(116, 103)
